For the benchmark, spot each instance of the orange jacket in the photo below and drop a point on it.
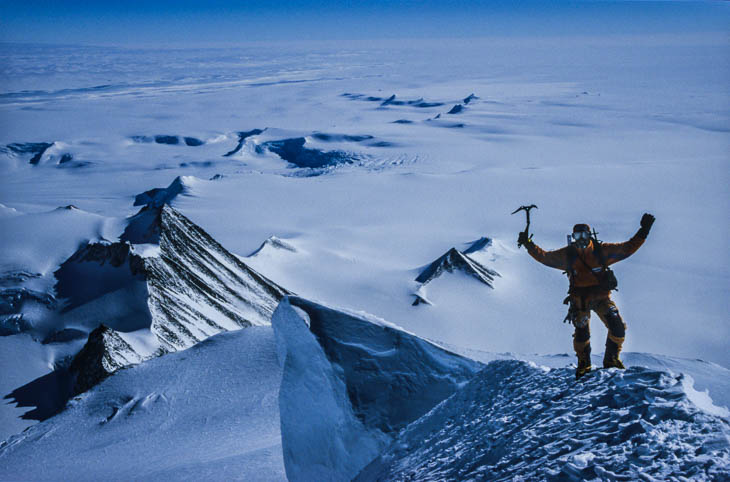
(586, 259)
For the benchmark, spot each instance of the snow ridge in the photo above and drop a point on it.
(350, 384)
(197, 288)
(515, 420)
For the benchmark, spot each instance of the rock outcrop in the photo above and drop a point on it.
(179, 287)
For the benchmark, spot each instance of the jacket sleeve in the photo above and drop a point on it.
(557, 259)
(614, 252)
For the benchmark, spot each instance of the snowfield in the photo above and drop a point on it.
(160, 207)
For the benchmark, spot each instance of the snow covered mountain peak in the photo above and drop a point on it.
(174, 290)
(455, 260)
(198, 288)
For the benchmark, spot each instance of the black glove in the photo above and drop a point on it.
(646, 221)
(523, 239)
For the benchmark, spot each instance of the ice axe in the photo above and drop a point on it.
(527, 212)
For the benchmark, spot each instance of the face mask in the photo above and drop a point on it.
(582, 238)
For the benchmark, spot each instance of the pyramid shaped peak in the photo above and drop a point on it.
(455, 260)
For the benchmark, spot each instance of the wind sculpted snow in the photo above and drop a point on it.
(517, 421)
(350, 383)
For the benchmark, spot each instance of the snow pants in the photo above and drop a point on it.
(606, 310)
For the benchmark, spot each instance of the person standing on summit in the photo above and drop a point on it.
(586, 261)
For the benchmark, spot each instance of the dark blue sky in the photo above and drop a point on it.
(217, 21)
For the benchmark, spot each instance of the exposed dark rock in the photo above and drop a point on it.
(242, 136)
(470, 98)
(322, 136)
(193, 142)
(104, 353)
(391, 101)
(294, 152)
(402, 121)
(275, 243)
(37, 149)
(425, 105)
(13, 324)
(194, 271)
(196, 164)
(419, 300)
(478, 245)
(12, 278)
(165, 139)
(452, 261)
(95, 270)
(159, 196)
(66, 158)
(176, 281)
(458, 108)
(382, 144)
(143, 227)
(12, 300)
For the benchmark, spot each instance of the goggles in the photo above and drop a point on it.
(581, 235)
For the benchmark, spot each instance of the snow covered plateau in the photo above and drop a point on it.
(297, 261)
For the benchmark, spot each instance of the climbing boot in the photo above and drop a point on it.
(610, 358)
(612, 361)
(584, 366)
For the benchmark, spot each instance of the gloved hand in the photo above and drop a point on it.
(523, 239)
(646, 221)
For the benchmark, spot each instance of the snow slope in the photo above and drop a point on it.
(210, 412)
(350, 382)
(515, 420)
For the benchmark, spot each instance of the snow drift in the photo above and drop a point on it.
(350, 382)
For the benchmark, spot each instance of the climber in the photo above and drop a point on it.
(585, 260)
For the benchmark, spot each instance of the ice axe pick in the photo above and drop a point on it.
(527, 213)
